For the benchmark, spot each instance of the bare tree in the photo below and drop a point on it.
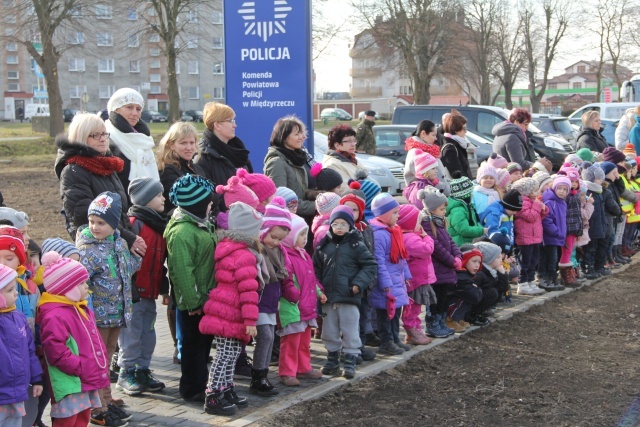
(40, 28)
(619, 28)
(509, 50)
(325, 30)
(541, 40)
(419, 31)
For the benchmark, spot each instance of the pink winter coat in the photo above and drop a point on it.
(419, 250)
(528, 222)
(308, 283)
(319, 228)
(586, 210)
(233, 304)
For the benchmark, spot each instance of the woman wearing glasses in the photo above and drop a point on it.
(454, 155)
(341, 155)
(511, 140)
(222, 153)
(87, 166)
(131, 135)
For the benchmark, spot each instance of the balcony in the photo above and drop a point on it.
(370, 52)
(366, 92)
(365, 72)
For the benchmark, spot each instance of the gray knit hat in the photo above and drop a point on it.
(144, 189)
(17, 218)
(244, 219)
(525, 186)
(490, 251)
(542, 178)
(592, 173)
(432, 198)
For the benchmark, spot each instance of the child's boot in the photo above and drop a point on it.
(128, 383)
(332, 365)
(260, 384)
(577, 275)
(349, 366)
(214, 404)
(231, 396)
(417, 337)
(435, 329)
(566, 276)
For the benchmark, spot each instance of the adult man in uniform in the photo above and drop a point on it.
(365, 136)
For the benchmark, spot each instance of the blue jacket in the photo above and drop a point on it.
(390, 275)
(481, 200)
(554, 225)
(19, 365)
(495, 218)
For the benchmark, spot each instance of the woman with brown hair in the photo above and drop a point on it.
(454, 150)
(511, 140)
(341, 155)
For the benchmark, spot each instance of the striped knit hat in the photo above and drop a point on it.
(424, 162)
(287, 194)
(144, 189)
(276, 214)
(370, 188)
(542, 178)
(503, 178)
(63, 275)
(408, 217)
(326, 202)
(513, 167)
(7, 275)
(461, 186)
(383, 203)
(192, 193)
(11, 239)
(56, 244)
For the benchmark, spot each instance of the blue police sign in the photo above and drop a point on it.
(268, 67)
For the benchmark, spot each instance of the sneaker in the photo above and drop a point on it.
(215, 405)
(148, 381)
(119, 412)
(313, 374)
(289, 381)
(113, 376)
(128, 382)
(525, 289)
(405, 347)
(604, 272)
(107, 419)
(479, 321)
(390, 348)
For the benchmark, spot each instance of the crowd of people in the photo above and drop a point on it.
(273, 260)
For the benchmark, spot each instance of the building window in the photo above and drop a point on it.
(194, 92)
(192, 42)
(218, 68)
(193, 67)
(577, 85)
(105, 39)
(136, 88)
(106, 91)
(12, 47)
(154, 64)
(154, 38)
(134, 40)
(103, 11)
(216, 17)
(552, 86)
(155, 89)
(75, 92)
(75, 38)
(154, 78)
(13, 75)
(76, 64)
(218, 92)
(12, 59)
(134, 66)
(105, 65)
(132, 14)
(192, 16)
(154, 52)
(13, 87)
(581, 68)
(218, 43)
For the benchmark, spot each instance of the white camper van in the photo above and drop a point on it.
(608, 110)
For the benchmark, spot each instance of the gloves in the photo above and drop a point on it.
(457, 263)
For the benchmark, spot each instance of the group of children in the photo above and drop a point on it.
(252, 280)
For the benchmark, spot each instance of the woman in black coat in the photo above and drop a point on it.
(87, 166)
(454, 151)
(589, 136)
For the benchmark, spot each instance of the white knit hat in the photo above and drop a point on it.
(124, 96)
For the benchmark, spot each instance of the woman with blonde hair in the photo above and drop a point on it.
(624, 127)
(222, 153)
(589, 136)
(175, 157)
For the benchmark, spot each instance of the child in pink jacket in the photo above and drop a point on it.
(231, 311)
(297, 320)
(419, 249)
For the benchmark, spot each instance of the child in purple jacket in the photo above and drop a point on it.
(554, 233)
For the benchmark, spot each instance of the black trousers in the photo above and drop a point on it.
(195, 355)
(595, 253)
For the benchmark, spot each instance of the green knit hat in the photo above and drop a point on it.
(585, 154)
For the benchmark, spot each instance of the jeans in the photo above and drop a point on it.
(548, 261)
(138, 341)
(595, 252)
(389, 329)
(529, 258)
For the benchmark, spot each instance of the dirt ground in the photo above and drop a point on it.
(571, 362)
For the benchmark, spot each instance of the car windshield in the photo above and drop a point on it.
(563, 126)
(533, 128)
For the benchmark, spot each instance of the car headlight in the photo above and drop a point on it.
(378, 172)
(553, 144)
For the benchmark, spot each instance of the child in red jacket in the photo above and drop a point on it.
(231, 311)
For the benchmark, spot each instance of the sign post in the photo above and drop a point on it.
(268, 68)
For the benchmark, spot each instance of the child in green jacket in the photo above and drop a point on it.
(463, 224)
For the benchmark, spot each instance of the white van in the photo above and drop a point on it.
(32, 110)
(608, 110)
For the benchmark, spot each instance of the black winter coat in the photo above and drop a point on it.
(484, 280)
(171, 174)
(218, 169)
(79, 186)
(612, 204)
(599, 220)
(455, 158)
(341, 266)
(591, 139)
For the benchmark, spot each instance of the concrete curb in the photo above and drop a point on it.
(393, 361)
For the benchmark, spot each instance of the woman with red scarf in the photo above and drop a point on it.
(424, 138)
(341, 155)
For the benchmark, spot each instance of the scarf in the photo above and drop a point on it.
(398, 249)
(493, 271)
(28, 285)
(297, 157)
(155, 220)
(489, 192)
(416, 142)
(439, 221)
(8, 310)
(276, 264)
(349, 156)
(234, 150)
(138, 148)
(593, 187)
(103, 165)
(462, 142)
(81, 306)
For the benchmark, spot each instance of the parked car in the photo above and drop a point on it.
(68, 114)
(152, 116)
(335, 114)
(361, 115)
(480, 120)
(607, 110)
(186, 118)
(196, 115)
(387, 173)
(32, 110)
(555, 125)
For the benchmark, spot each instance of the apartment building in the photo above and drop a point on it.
(111, 45)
